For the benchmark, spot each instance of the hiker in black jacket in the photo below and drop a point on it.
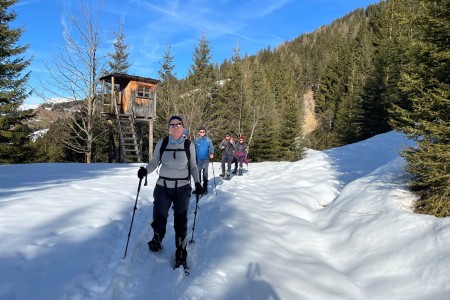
(227, 147)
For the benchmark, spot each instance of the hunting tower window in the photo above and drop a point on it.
(144, 92)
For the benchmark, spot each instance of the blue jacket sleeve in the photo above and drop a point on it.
(211, 147)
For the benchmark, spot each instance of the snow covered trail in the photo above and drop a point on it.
(245, 246)
(335, 225)
(249, 213)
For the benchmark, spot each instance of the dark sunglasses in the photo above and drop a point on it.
(175, 125)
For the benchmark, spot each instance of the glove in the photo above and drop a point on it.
(142, 172)
(198, 188)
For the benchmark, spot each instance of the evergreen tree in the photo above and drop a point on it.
(260, 115)
(48, 147)
(427, 84)
(290, 112)
(168, 93)
(14, 141)
(392, 35)
(356, 57)
(119, 59)
(197, 104)
(232, 98)
(331, 89)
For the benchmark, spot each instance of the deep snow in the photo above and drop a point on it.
(335, 225)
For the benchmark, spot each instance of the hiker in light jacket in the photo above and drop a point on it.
(172, 187)
(241, 153)
(205, 150)
(227, 147)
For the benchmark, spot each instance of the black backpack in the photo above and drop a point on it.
(187, 144)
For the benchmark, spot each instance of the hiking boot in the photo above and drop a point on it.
(234, 171)
(205, 187)
(223, 174)
(180, 256)
(155, 244)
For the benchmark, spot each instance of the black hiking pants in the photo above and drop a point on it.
(227, 159)
(164, 198)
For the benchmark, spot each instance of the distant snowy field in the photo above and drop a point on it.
(335, 225)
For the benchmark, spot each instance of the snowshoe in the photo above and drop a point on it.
(155, 244)
(180, 260)
(205, 188)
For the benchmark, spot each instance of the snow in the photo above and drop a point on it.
(28, 106)
(39, 133)
(335, 225)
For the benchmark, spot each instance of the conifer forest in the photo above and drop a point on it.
(383, 68)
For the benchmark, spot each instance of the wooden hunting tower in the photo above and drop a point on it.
(128, 99)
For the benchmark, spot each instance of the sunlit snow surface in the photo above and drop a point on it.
(335, 225)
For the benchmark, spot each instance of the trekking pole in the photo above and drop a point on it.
(132, 218)
(214, 177)
(195, 217)
(246, 158)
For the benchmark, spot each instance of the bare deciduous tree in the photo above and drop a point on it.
(74, 73)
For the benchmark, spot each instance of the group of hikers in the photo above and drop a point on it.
(173, 187)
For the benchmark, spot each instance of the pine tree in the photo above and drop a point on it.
(14, 141)
(328, 96)
(119, 59)
(392, 35)
(232, 97)
(427, 84)
(290, 112)
(168, 93)
(197, 104)
(259, 137)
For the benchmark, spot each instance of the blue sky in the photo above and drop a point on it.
(150, 26)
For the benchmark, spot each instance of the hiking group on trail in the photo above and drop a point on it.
(173, 187)
(233, 153)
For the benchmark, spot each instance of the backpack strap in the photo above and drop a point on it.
(187, 150)
(187, 145)
(163, 147)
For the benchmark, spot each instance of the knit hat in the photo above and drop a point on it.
(176, 118)
(202, 128)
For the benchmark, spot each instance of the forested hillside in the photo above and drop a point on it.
(371, 71)
(376, 69)
(353, 67)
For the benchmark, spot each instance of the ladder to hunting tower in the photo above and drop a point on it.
(130, 100)
(129, 147)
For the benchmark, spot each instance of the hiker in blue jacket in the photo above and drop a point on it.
(205, 151)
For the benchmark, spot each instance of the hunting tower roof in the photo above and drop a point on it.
(122, 77)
